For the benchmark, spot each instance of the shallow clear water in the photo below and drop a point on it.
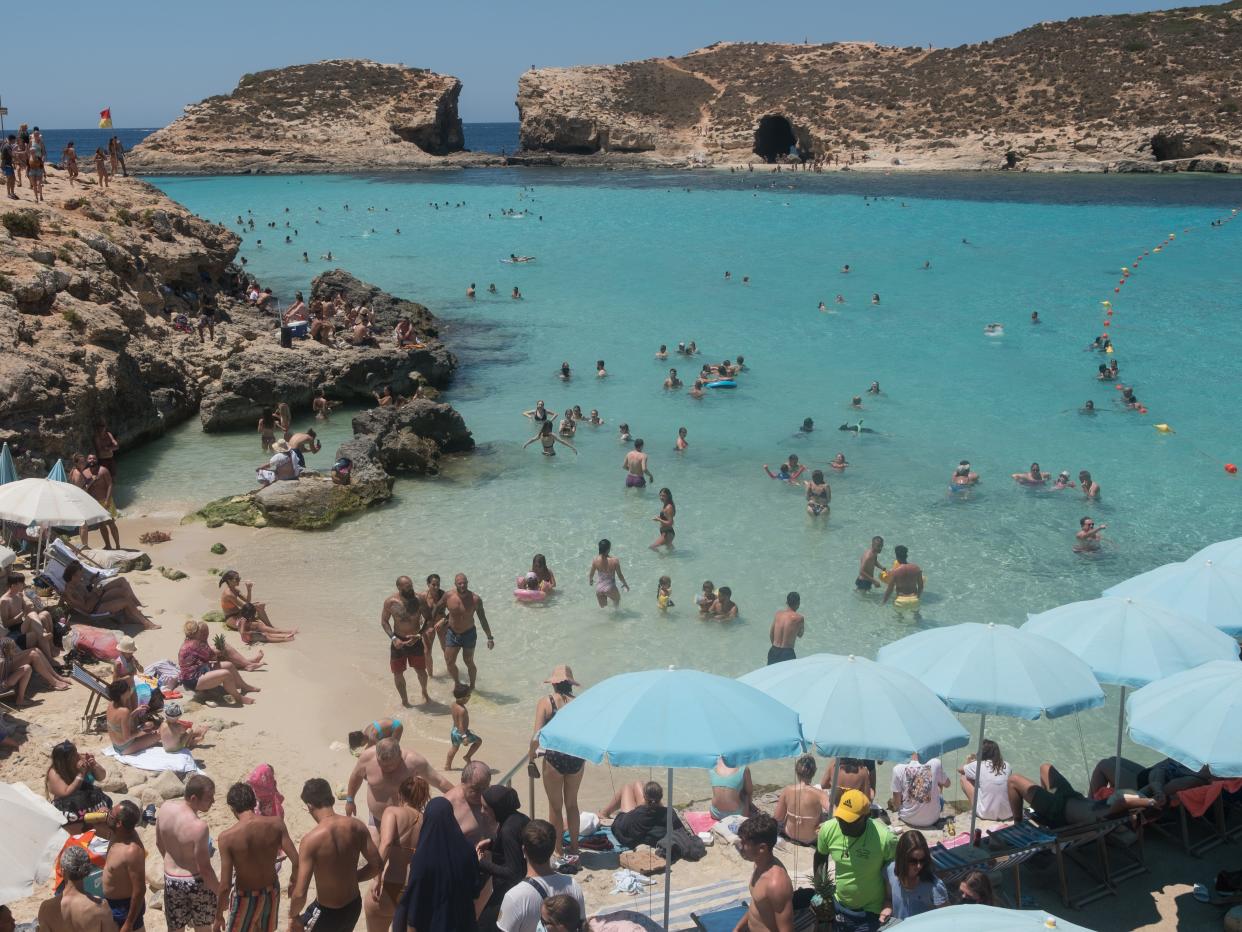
(626, 262)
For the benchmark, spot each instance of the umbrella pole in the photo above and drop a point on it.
(1121, 721)
(832, 793)
(974, 799)
(668, 852)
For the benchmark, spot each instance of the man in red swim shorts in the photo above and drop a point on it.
(403, 618)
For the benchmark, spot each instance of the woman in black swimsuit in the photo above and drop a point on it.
(668, 511)
(548, 440)
(562, 773)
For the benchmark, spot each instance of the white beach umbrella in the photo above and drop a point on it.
(7, 557)
(45, 501)
(30, 841)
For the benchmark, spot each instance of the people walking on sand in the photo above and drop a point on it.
(8, 166)
(665, 532)
(462, 606)
(35, 171)
(101, 167)
(859, 848)
(443, 876)
(906, 580)
(72, 908)
(99, 486)
(473, 817)
(637, 475)
(404, 619)
(562, 773)
(868, 568)
(605, 571)
(249, 870)
(124, 871)
(787, 627)
(329, 855)
(384, 768)
(184, 842)
(398, 840)
(69, 161)
(434, 618)
(460, 733)
(522, 908)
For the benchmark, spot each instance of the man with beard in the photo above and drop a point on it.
(403, 618)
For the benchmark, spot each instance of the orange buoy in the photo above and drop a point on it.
(1231, 469)
(1116, 290)
(1118, 387)
(1105, 323)
(1110, 312)
(1142, 410)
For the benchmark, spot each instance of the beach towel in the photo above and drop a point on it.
(699, 821)
(156, 759)
(1198, 800)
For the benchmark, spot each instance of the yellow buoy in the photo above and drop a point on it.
(1164, 429)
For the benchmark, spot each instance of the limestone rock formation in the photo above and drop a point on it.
(1086, 93)
(343, 115)
(409, 438)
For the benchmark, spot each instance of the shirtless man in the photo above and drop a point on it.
(181, 836)
(608, 570)
(25, 624)
(906, 580)
(475, 819)
(672, 381)
(384, 768)
(75, 910)
(403, 619)
(248, 852)
(462, 605)
(302, 443)
(1090, 488)
(724, 608)
(635, 466)
(330, 853)
(771, 892)
(868, 578)
(1088, 536)
(99, 485)
(124, 873)
(787, 627)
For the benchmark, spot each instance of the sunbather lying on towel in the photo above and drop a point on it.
(1057, 804)
(1157, 781)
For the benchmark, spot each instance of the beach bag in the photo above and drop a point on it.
(95, 642)
(681, 845)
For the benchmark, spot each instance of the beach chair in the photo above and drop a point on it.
(7, 692)
(1073, 841)
(1201, 817)
(726, 919)
(53, 577)
(65, 553)
(97, 692)
(1004, 850)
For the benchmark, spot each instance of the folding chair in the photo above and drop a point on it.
(1006, 849)
(1202, 808)
(98, 692)
(53, 574)
(1072, 840)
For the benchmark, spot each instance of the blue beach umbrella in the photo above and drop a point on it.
(972, 917)
(855, 707)
(8, 471)
(995, 670)
(673, 718)
(58, 472)
(1203, 589)
(1225, 553)
(1193, 717)
(1131, 642)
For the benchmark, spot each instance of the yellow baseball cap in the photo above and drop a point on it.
(853, 806)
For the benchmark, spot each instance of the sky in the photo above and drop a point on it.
(146, 59)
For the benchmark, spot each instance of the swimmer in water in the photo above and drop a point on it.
(1088, 407)
(840, 299)
(595, 420)
(873, 388)
(856, 428)
(491, 288)
(682, 442)
(962, 478)
(839, 463)
(663, 352)
(623, 433)
(782, 474)
(470, 291)
(823, 307)
(568, 427)
(517, 295)
(927, 264)
(696, 390)
(1105, 374)
(672, 382)
(1034, 477)
(1035, 317)
(600, 371)
(818, 494)
(548, 440)
(577, 414)
(539, 413)
(875, 297)
(808, 425)
(796, 469)
(728, 276)
(845, 270)
(664, 593)
(1088, 536)
(1063, 481)
(1128, 398)
(856, 401)
(565, 374)
(994, 330)
(1090, 488)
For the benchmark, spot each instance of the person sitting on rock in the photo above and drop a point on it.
(297, 311)
(322, 329)
(404, 334)
(282, 466)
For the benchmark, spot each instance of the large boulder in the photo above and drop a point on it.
(411, 437)
(310, 504)
(388, 308)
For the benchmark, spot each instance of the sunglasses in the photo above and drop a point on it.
(918, 860)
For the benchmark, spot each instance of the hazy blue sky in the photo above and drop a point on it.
(147, 59)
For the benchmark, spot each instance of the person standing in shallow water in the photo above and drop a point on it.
(787, 627)
(668, 511)
(605, 571)
(635, 466)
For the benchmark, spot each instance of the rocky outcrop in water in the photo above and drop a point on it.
(1091, 93)
(344, 115)
(405, 439)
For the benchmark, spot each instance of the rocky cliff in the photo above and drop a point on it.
(1122, 91)
(342, 115)
(91, 284)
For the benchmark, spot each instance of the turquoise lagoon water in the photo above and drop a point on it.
(626, 262)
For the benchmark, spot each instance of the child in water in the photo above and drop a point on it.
(461, 733)
(782, 475)
(705, 599)
(664, 594)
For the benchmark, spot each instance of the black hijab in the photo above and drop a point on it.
(444, 877)
(503, 801)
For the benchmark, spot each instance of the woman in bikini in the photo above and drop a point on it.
(248, 617)
(801, 805)
(548, 440)
(562, 773)
(267, 432)
(435, 626)
(398, 830)
(668, 511)
(818, 495)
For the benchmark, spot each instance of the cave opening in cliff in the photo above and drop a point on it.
(774, 139)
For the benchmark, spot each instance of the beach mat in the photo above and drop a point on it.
(156, 759)
(682, 903)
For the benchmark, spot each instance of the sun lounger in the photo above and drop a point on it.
(1201, 812)
(65, 553)
(726, 919)
(1071, 844)
(53, 575)
(97, 689)
(1006, 849)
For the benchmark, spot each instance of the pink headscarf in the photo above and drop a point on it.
(263, 781)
